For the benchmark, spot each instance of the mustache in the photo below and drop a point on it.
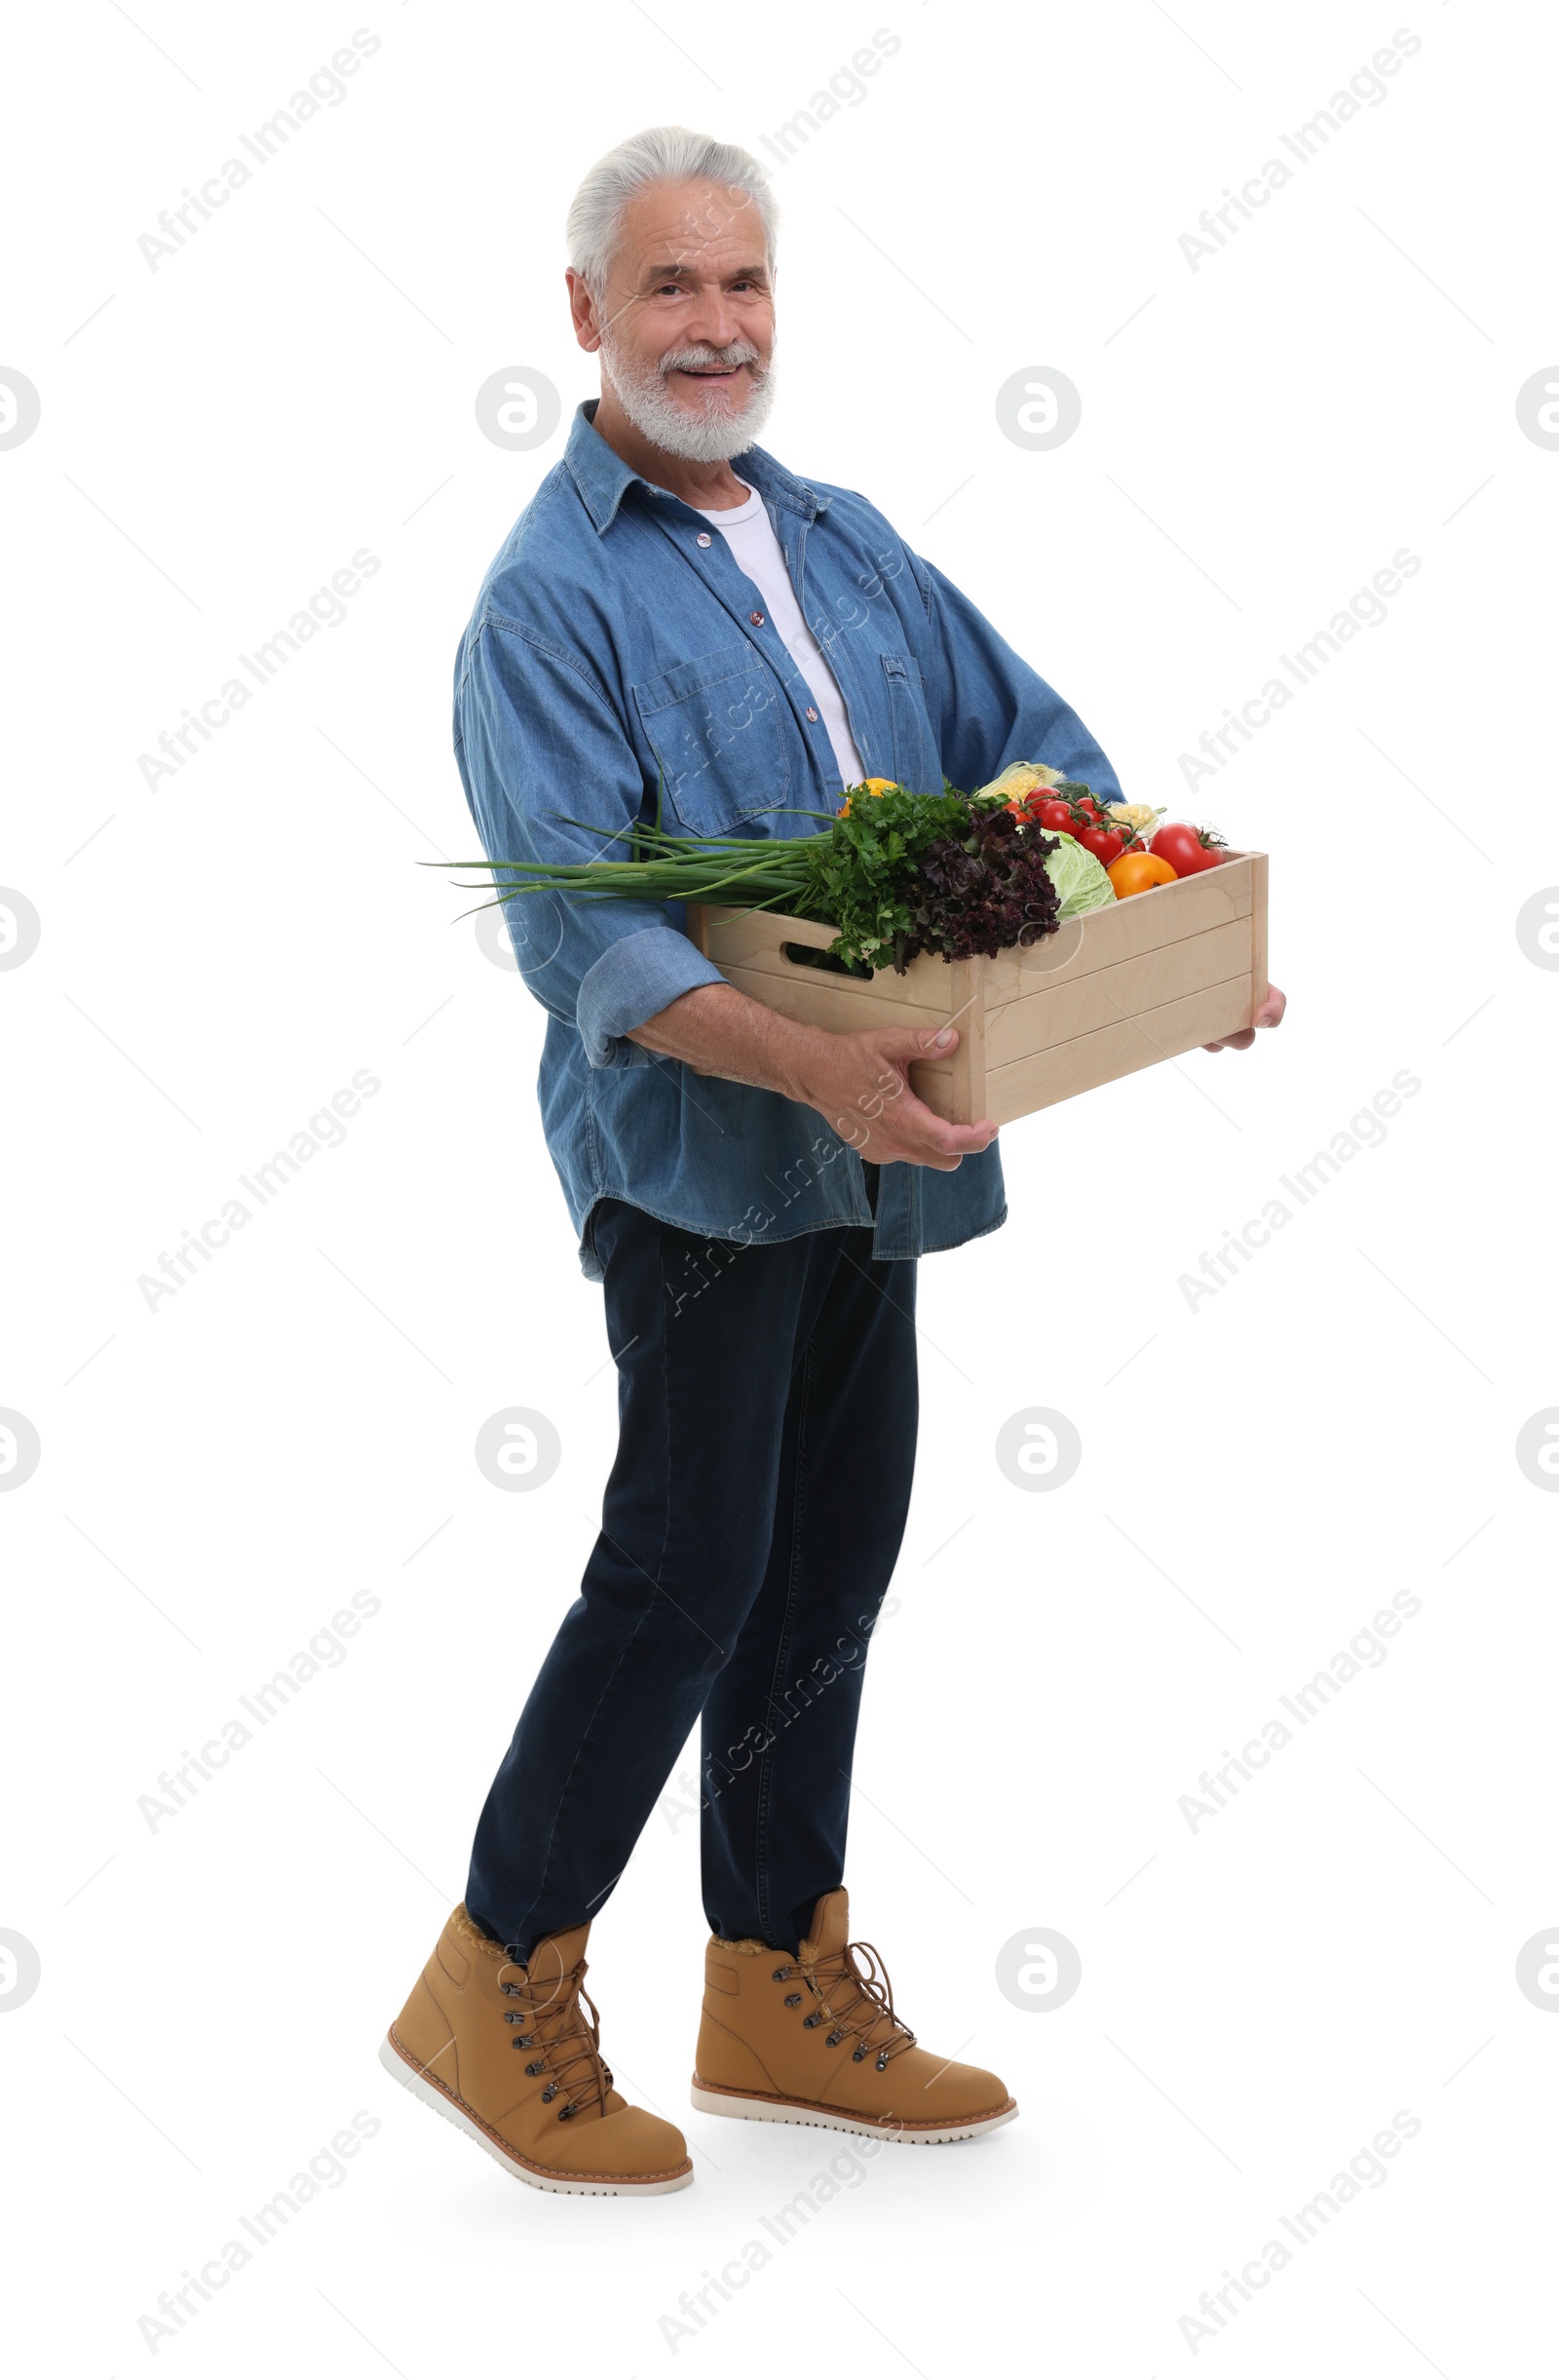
(691, 359)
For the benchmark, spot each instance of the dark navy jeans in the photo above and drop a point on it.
(767, 1403)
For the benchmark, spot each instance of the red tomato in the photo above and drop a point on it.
(1105, 843)
(1056, 817)
(1186, 849)
(1089, 808)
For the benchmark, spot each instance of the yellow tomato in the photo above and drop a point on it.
(871, 785)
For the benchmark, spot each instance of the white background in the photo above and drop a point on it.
(1259, 1996)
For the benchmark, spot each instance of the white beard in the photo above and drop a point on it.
(714, 434)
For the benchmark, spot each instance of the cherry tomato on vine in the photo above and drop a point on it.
(1105, 842)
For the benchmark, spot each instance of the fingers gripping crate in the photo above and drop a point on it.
(1123, 987)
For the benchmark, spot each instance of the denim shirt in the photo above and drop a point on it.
(616, 648)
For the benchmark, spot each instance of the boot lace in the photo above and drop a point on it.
(854, 2000)
(565, 2046)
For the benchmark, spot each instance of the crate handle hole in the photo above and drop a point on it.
(809, 955)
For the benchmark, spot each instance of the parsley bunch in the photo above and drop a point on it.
(903, 873)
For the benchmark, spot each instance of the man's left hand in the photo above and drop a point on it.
(1270, 1012)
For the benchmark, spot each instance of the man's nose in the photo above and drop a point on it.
(715, 324)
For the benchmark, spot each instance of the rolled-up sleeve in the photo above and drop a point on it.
(550, 776)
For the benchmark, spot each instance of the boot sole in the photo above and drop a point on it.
(433, 2093)
(713, 2101)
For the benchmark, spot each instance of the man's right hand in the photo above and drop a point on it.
(859, 1084)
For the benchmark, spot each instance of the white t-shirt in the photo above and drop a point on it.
(749, 533)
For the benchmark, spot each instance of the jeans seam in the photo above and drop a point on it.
(655, 1597)
(765, 1778)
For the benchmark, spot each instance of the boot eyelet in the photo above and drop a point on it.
(792, 1999)
(834, 2040)
(549, 2094)
(538, 2065)
(856, 2057)
(882, 2065)
(780, 1974)
(815, 2018)
(564, 2113)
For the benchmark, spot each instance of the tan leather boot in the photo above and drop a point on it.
(506, 2053)
(815, 2040)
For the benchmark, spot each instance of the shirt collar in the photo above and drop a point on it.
(602, 477)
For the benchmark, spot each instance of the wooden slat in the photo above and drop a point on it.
(737, 934)
(755, 941)
(1258, 985)
(1084, 1003)
(967, 1068)
(1169, 914)
(834, 1003)
(935, 1083)
(1091, 1058)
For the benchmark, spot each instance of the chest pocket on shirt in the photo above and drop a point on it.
(917, 761)
(716, 729)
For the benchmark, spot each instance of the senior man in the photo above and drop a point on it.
(752, 1193)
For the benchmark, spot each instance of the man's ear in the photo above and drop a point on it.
(582, 309)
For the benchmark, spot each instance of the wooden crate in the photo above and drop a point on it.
(1123, 987)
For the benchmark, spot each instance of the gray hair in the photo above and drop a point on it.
(667, 153)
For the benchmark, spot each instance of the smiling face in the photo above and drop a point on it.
(686, 328)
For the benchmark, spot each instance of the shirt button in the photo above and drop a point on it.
(756, 616)
(810, 713)
(704, 537)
